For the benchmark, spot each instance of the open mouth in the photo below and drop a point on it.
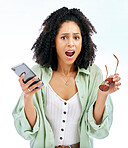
(70, 53)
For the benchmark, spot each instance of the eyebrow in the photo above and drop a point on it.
(68, 33)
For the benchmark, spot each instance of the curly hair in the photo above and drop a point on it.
(44, 47)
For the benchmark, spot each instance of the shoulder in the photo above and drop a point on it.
(94, 69)
(36, 68)
(39, 70)
(91, 70)
(95, 73)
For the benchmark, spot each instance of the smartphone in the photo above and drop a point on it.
(29, 74)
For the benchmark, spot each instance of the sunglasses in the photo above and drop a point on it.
(108, 81)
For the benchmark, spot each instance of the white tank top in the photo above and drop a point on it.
(63, 117)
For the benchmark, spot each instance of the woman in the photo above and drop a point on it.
(70, 108)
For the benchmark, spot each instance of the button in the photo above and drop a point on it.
(65, 103)
(63, 121)
(61, 138)
(62, 129)
(64, 112)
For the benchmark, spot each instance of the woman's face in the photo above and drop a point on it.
(68, 42)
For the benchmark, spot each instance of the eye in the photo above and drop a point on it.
(77, 37)
(63, 37)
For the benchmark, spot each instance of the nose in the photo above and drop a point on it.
(70, 43)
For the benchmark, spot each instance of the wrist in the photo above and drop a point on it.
(101, 97)
(102, 93)
(27, 96)
(27, 99)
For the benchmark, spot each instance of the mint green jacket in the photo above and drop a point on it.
(41, 136)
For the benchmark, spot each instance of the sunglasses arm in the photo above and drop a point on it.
(116, 68)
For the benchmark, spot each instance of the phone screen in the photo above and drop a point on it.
(29, 74)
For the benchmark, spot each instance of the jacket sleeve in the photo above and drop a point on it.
(21, 123)
(102, 130)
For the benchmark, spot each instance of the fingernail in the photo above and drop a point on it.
(116, 83)
(23, 73)
(114, 76)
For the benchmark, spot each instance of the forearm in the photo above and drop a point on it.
(99, 107)
(28, 91)
(30, 111)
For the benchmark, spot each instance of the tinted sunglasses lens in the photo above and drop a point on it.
(109, 81)
(104, 87)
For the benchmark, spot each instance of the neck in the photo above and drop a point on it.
(66, 70)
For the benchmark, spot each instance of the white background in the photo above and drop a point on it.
(20, 21)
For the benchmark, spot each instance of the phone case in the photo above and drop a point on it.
(29, 74)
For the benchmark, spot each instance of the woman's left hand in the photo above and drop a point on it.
(115, 84)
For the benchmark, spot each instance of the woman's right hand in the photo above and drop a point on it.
(29, 91)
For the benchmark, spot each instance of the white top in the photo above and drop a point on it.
(63, 117)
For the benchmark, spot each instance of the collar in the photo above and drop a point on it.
(47, 73)
(83, 70)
